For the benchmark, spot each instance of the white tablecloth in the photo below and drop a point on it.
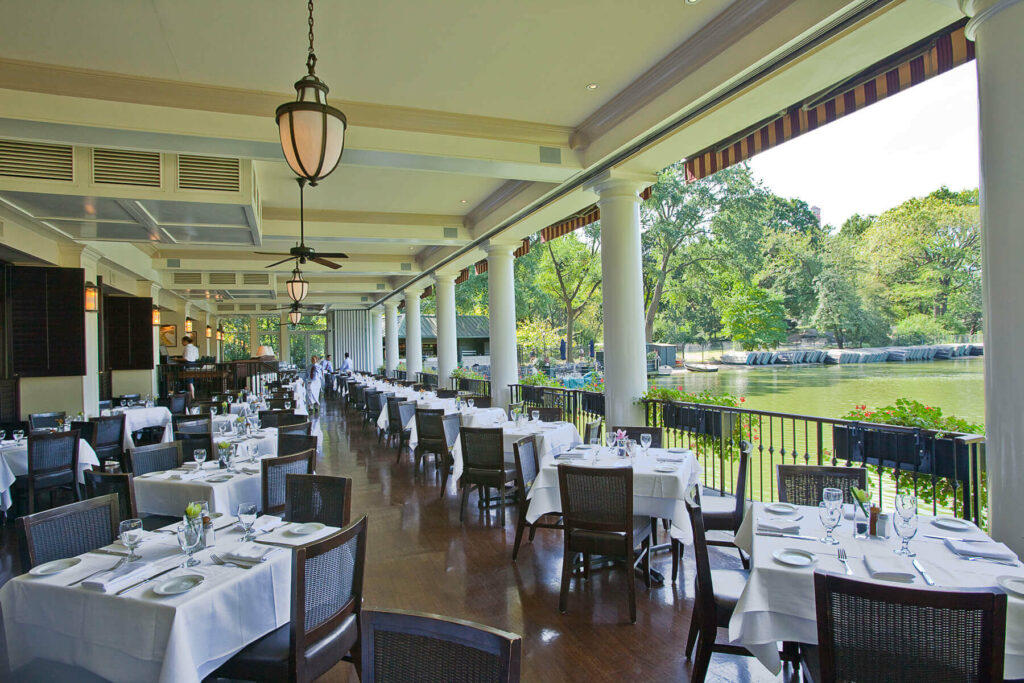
(14, 463)
(469, 417)
(140, 636)
(778, 601)
(140, 418)
(655, 494)
(552, 437)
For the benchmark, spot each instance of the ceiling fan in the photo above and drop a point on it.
(301, 252)
(296, 311)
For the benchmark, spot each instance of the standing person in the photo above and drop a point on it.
(346, 365)
(330, 385)
(314, 384)
(328, 365)
(191, 357)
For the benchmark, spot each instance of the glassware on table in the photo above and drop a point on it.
(199, 455)
(123, 403)
(470, 402)
(829, 516)
(247, 516)
(130, 531)
(905, 522)
(3, 434)
(645, 442)
(19, 434)
(231, 399)
(832, 496)
(190, 536)
(287, 405)
(535, 414)
(609, 439)
(595, 440)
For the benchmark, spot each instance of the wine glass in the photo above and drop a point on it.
(609, 439)
(231, 399)
(535, 414)
(130, 531)
(830, 516)
(287, 405)
(906, 504)
(19, 434)
(123, 403)
(595, 440)
(199, 455)
(470, 402)
(645, 442)
(247, 516)
(3, 434)
(905, 521)
(190, 535)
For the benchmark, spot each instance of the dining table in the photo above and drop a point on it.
(150, 632)
(777, 604)
(14, 463)
(142, 417)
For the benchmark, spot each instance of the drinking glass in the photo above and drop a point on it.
(190, 535)
(19, 434)
(906, 504)
(123, 403)
(645, 442)
(3, 434)
(906, 527)
(595, 440)
(609, 439)
(470, 402)
(830, 516)
(231, 399)
(130, 531)
(535, 414)
(247, 516)
(287, 405)
(833, 496)
(199, 455)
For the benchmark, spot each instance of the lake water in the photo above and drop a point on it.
(956, 386)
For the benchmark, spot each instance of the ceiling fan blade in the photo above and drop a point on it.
(325, 262)
(322, 254)
(272, 253)
(284, 260)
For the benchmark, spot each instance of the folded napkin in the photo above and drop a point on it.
(249, 469)
(267, 522)
(246, 553)
(571, 455)
(116, 579)
(144, 537)
(188, 476)
(889, 568)
(776, 525)
(671, 458)
(993, 550)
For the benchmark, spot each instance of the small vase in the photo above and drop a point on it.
(860, 522)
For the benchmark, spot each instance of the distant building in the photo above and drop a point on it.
(816, 210)
(473, 332)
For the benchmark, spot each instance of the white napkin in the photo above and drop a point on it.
(776, 525)
(144, 537)
(267, 522)
(246, 553)
(993, 550)
(572, 455)
(671, 457)
(116, 579)
(187, 476)
(889, 568)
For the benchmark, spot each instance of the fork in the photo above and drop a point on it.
(979, 558)
(842, 558)
(117, 565)
(217, 559)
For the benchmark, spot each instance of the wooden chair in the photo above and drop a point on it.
(447, 393)
(190, 443)
(290, 444)
(191, 424)
(318, 498)
(527, 468)
(406, 414)
(803, 484)
(273, 418)
(45, 420)
(479, 400)
(106, 436)
(121, 485)
(412, 646)
(871, 632)
(298, 428)
(483, 458)
(279, 403)
(548, 414)
(68, 530)
(371, 407)
(274, 471)
(177, 403)
(52, 465)
(158, 457)
(437, 434)
(395, 424)
(597, 509)
(592, 431)
(635, 432)
(721, 511)
(327, 595)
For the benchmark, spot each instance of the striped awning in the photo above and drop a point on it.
(463, 276)
(427, 292)
(480, 267)
(930, 57)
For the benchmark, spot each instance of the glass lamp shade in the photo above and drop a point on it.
(294, 317)
(297, 287)
(209, 332)
(190, 325)
(92, 298)
(156, 315)
(312, 133)
(220, 334)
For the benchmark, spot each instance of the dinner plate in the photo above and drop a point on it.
(665, 468)
(1012, 584)
(780, 508)
(794, 557)
(220, 478)
(54, 567)
(178, 584)
(951, 524)
(305, 529)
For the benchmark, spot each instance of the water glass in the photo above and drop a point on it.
(595, 440)
(535, 414)
(130, 531)
(645, 442)
(3, 434)
(190, 535)
(906, 528)
(247, 516)
(832, 496)
(829, 516)
(123, 403)
(19, 434)
(287, 405)
(199, 455)
(231, 399)
(906, 504)
(470, 402)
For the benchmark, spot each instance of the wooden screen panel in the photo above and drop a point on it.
(65, 311)
(129, 332)
(47, 321)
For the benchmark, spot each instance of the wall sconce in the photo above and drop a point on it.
(209, 332)
(220, 333)
(92, 298)
(156, 315)
(190, 325)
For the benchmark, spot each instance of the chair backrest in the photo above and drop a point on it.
(360, 393)
(301, 428)
(803, 484)
(406, 412)
(272, 418)
(635, 432)
(327, 587)
(549, 414)
(452, 426)
(447, 393)
(480, 401)
(317, 498)
(393, 416)
(704, 600)
(122, 485)
(741, 482)
(195, 425)
(53, 453)
(278, 403)
(129, 397)
(596, 499)
(109, 431)
(45, 420)
(106, 404)
(290, 444)
(869, 631)
(68, 530)
(483, 448)
(176, 403)
(274, 471)
(401, 646)
(592, 431)
(525, 452)
(86, 430)
(288, 417)
(429, 424)
(370, 400)
(156, 457)
(191, 442)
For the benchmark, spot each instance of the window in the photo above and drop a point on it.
(236, 338)
(269, 331)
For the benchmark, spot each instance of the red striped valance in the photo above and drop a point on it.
(523, 249)
(427, 292)
(481, 267)
(930, 57)
(463, 276)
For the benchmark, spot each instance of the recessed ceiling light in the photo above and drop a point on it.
(692, 2)
(592, 86)
(462, 201)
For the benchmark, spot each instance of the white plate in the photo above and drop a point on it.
(220, 478)
(665, 468)
(780, 508)
(676, 450)
(305, 529)
(794, 557)
(952, 524)
(1012, 584)
(54, 567)
(178, 584)
(584, 447)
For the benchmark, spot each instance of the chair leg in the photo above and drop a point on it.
(533, 529)
(700, 666)
(462, 507)
(691, 636)
(647, 563)
(501, 512)
(520, 526)
(563, 595)
(586, 566)
(631, 585)
(678, 549)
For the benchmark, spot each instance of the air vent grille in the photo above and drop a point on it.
(126, 167)
(255, 278)
(208, 173)
(246, 307)
(406, 266)
(221, 308)
(36, 161)
(268, 307)
(188, 278)
(381, 285)
(174, 263)
(451, 233)
(221, 278)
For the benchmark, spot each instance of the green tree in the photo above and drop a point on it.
(842, 308)
(573, 276)
(754, 318)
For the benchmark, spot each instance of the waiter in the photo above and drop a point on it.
(191, 357)
(346, 365)
(314, 384)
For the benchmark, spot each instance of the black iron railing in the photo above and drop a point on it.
(427, 379)
(578, 406)
(479, 387)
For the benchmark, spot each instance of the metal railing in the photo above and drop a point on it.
(427, 379)
(578, 406)
(479, 387)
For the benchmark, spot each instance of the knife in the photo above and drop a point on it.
(957, 538)
(772, 534)
(924, 575)
(155, 576)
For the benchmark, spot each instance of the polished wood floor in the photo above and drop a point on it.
(421, 558)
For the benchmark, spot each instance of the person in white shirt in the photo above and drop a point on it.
(191, 356)
(346, 365)
(314, 384)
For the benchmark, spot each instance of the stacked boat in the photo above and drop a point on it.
(847, 356)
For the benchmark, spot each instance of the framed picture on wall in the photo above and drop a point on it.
(169, 335)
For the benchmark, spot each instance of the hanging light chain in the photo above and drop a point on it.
(311, 59)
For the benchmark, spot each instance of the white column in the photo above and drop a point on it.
(413, 339)
(376, 338)
(86, 400)
(154, 293)
(501, 306)
(391, 335)
(996, 27)
(447, 339)
(625, 366)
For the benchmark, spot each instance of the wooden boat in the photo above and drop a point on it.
(700, 367)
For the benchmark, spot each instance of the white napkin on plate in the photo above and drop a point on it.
(889, 568)
(246, 553)
(778, 525)
(993, 550)
(116, 579)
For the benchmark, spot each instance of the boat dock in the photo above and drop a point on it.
(888, 354)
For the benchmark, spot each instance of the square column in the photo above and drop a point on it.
(447, 339)
(391, 336)
(501, 305)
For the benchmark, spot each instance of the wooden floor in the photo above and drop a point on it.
(421, 558)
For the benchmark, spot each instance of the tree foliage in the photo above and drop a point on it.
(754, 318)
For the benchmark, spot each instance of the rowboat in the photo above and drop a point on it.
(700, 367)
